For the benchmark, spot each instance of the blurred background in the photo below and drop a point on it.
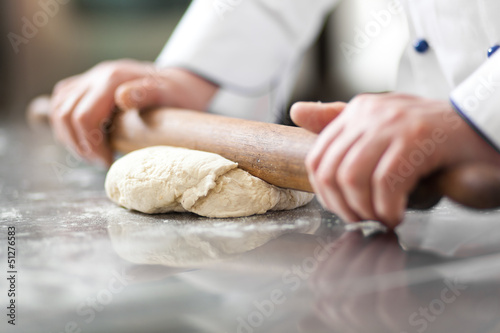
(82, 33)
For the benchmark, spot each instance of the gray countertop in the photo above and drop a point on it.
(85, 265)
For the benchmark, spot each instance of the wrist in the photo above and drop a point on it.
(470, 145)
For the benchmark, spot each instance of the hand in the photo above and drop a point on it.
(372, 151)
(81, 105)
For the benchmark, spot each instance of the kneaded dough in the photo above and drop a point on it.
(165, 179)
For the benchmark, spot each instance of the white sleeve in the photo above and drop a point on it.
(244, 45)
(477, 100)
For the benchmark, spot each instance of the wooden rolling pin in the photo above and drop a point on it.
(274, 153)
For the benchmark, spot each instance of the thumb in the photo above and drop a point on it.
(315, 116)
(144, 93)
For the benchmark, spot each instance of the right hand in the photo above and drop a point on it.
(82, 104)
(371, 153)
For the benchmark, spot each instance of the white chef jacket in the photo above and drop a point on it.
(254, 47)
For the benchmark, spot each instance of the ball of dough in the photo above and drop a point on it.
(165, 179)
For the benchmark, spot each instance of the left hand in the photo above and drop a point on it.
(372, 152)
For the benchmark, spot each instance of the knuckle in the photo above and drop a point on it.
(79, 118)
(419, 128)
(61, 115)
(394, 115)
(347, 177)
(371, 105)
(324, 178)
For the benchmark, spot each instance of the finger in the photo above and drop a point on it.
(97, 105)
(389, 208)
(63, 93)
(325, 177)
(331, 199)
(145, 93)
(395, 176)
(356, 170)
(323, 142)
(60, 118)
(315, 116)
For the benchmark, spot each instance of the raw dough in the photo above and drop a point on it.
(165, 179)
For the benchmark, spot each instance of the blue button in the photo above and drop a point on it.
(421, 45)
(492, 50)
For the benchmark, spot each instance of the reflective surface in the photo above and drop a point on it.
(86, 265)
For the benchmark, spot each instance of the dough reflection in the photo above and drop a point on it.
(185, 240)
